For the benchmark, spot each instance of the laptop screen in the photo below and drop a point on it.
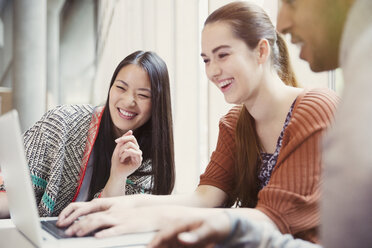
(16, 176)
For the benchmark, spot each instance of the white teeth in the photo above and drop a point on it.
(126, 113)
(226, 82)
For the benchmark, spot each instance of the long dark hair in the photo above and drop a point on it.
(250, 23)
(155, 137)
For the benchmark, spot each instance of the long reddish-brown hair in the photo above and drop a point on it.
(251, 24)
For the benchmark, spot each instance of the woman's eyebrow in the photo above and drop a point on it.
(145, 89)
(121, 81)
(126, 84)
(216, 49)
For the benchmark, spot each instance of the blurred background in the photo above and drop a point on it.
(55, 52)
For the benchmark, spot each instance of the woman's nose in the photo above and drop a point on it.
(214, 70)
(130, 100)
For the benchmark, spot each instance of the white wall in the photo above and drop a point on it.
(77, 53)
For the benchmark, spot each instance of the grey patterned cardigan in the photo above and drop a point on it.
(58, 148)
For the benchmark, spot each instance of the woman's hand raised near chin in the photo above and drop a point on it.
(127, 156)
(126, 159)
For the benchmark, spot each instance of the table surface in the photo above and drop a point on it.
(11, 238)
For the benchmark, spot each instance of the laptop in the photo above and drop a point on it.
(22, 203)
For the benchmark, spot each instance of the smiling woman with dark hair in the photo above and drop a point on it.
(80, 152)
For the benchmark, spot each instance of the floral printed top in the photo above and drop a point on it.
(269, 160)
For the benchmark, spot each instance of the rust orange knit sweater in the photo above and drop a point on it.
(291, 197)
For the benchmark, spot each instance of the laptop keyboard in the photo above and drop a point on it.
(50, 227)
(59, 233)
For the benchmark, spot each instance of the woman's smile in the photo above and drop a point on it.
(127, 115)
(225, 84)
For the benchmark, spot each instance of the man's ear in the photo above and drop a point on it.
(263, 51)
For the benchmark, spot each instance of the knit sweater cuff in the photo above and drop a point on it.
(278, 219)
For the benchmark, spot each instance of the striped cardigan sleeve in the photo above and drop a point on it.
(292, 195)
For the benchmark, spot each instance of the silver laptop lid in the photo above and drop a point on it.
(15, 171)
